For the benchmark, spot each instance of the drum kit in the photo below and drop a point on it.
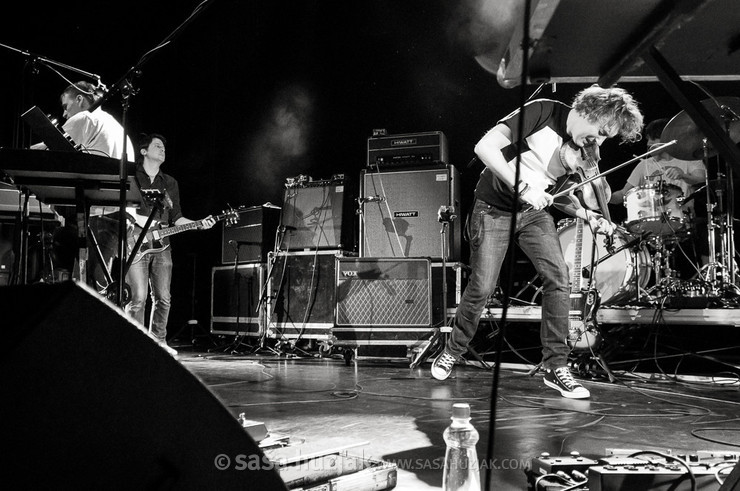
(640, 268)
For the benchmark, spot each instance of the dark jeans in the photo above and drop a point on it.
(489, 240)
(153, 270)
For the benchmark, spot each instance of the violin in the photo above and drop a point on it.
(595, 195)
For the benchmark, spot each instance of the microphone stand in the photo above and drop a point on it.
(237, 285)
(264, 305)
(439, 338)
(125, 85)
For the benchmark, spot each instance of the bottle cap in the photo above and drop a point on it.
(461, 410)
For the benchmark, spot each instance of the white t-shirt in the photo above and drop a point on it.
(99, 134)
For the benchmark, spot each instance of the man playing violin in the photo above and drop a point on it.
(595, 115)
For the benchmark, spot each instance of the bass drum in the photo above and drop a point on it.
(614, 275)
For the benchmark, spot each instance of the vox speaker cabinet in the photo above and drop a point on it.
(302, 295)
(317, 214)
(382, 301)
(235, 294)
(399, 213)
(253, 236)
(411, 149)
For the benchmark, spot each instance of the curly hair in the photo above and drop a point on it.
(611, 107)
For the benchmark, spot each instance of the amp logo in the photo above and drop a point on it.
(350, 274)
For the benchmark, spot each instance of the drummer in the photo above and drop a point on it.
(688, 175)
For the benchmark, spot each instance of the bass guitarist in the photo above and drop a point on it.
(154, 268)
(534, 135)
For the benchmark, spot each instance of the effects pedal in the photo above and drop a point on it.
(547, 473)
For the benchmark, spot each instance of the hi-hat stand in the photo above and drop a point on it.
(720, 276)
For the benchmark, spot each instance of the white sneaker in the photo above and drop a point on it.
(442, 365)
(562, 380)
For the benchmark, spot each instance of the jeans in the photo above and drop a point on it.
(489, 240)
(153, 270)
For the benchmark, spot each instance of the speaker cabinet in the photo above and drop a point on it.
(400, 220)
(318, 215)
(235, 295)
(383, 292)
(92, 402)
(302, 294)
(253, 236)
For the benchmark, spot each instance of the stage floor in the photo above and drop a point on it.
(389, 411)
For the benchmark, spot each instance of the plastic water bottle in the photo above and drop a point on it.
(461, 459)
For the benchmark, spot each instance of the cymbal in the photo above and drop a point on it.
(717, 185)
(689, 139)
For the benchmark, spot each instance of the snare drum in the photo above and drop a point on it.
(654, 208)
(614, 275)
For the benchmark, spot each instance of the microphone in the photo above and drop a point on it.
(101, 86)
(446, 214)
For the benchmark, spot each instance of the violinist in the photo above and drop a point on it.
(596, 114)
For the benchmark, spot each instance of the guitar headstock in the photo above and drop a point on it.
(231, 216)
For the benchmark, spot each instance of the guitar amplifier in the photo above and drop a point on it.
(317, 214)
(382, 301)
(253, 236)
(399, 151)
(383, 292)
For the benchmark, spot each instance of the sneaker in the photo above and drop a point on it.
(562, 380)
(442, 365)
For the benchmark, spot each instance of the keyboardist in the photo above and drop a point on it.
(96, 132)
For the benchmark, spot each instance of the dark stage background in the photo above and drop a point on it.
(253, 92)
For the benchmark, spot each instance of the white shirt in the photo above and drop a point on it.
(98, 133)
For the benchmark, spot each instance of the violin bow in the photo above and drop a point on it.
(609, 171)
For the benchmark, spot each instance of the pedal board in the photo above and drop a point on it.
(623, 469)
(628, 469)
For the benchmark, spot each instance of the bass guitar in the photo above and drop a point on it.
(154, 239)
(583, 333)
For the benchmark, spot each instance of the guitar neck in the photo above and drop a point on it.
(166, 232)
(576, 276)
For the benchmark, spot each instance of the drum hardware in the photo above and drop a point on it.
(721, 276)
(655, 208)
(620, 277)
(666, 281)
